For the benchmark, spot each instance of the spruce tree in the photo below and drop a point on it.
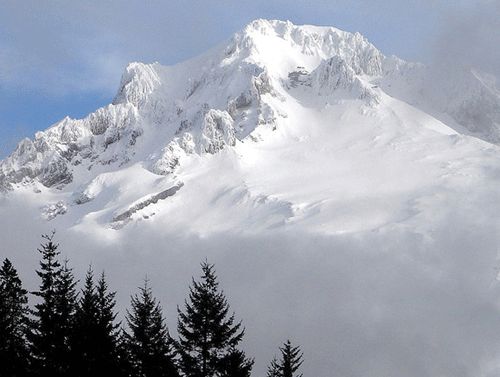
(291, 360)
(148, 341)
(53, 314)
(107, 328)
(65, 306)
(235, 364)
(94, 336)
(43, 337)
(83, 336)
(274, 370)
(14, 314)
(208, 336)
(124, 356)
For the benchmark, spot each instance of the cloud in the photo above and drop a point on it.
(469, 35)
(380, 304)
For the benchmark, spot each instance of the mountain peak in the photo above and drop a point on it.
(281, 46)
(137, 82)
(285, 28)
(240, 92)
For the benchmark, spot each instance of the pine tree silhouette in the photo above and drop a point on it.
(235, 364)
(148, 342)
(65, 306)
(207, 334)
(124, 356)
(291, 360)
(94, 337)
(274, 370)
(53, 315)
(107, 328)
(84, 334)
(14, 312)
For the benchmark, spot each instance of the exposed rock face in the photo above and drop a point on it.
(162, 114)
(51, 211)
(152, 199)
(53, 156)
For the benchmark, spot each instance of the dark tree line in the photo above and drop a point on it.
(71, 333)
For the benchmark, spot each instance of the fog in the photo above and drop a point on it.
(469, 37)
(376, 304)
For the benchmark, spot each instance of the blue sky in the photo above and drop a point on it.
(63, 57)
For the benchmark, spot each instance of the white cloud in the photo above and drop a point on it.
(382, 304)
(470, 36)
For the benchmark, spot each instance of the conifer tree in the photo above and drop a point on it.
(208, 335)
(124, 356)
(148, 341)
(84, 334)
(274, 370)
(53, 314)
(65, 306)
(107, 327)
(43, 336)
(291, 360)
(235, 364)
(14, 321)
(94, 336)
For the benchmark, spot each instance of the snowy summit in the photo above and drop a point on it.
(288, 124)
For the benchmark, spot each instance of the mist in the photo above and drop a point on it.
(382, 304)
(469, 37)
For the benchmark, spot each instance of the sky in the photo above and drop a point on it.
(61, 58)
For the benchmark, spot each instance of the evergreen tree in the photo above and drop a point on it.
(148, 341)
(94, 336)
(53, 314)
(207, 334)
(43, 337)
(235, 364)
(291, 360)
(13, 323)
(124, 356)
(83, 336)
(107, 328)
(66, 299)
(274, 370)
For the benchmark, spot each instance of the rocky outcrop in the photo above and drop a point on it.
(124, 216)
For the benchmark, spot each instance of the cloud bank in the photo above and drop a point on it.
(469, 36)
(380, 304)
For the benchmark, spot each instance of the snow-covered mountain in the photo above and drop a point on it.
(161, 114)
(291, 131)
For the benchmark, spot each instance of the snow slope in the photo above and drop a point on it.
(294, 156)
